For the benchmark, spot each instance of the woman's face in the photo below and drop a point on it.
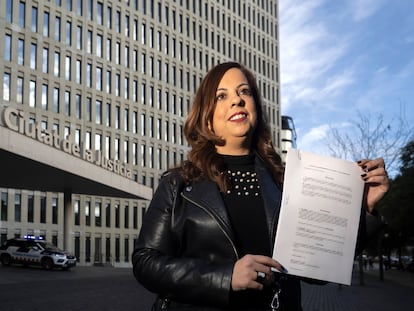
(234, 117)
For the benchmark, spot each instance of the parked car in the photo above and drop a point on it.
(31, 250)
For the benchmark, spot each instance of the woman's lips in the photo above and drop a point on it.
(238, 116)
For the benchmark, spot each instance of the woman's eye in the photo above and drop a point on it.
(220, 97)
(246, 92)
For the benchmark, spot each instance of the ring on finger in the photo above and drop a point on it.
(261, 277)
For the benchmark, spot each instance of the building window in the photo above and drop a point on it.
(79, 37)
(77, 248)
(88, 142)
(117, 149)
(55, 210)
(30, 208)
(108, 50)
(56, 100)
(69, 33)
(46, 17)
(88, 249)
(98, 213)
(44, 103)
(134, 122)
(56, 65)
(134, 153)
(78, 106)
(117, 84)
(68, 62)
(99, 13)
(89, 75)
(19, 88)
(87, 213)
(45, 60)
(76, 208)
(67, 103)
(57, 28)
(32, 93)
(108, 249)
(143, 156)
(9, 10)
(135, 219)
(151, 126)
(43, 209)
(98, 78)
(143, 124)
(117, 249)
(117, 216)
(126, 249)
(126, 217)
(4, 204)
(99, 45)
(20, 52)
(108, 215)
(22, 14)
(17, 207)
(108, 147)
(98, 112)
(108, 81)
(6, 86)
(126, 119)
(7, 48)
(98, 142)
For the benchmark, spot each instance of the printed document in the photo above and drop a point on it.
(319, 217)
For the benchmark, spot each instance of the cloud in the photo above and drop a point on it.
(308, 53)
(363, 9)
(387, 87)
(312, 136)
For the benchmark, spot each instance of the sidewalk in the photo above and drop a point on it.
(396, 292)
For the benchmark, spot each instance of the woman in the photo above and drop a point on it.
(207, 237)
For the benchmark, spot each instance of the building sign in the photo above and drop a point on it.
(15, 120)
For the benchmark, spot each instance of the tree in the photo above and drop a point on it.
(397, 205)
(369, 137)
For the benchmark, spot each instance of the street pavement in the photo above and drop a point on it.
(106, 288)
(395, 292)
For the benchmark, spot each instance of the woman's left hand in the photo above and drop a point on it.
(376, 181)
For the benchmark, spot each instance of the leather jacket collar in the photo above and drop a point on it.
(206, 195)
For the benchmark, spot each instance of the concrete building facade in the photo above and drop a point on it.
(101, 90)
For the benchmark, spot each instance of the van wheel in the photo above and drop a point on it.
(47, 263)
(5, 260)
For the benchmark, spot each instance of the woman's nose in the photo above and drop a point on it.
(237, 100)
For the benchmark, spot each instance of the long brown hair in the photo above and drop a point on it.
(203, 160)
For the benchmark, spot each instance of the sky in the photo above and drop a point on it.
(339, 58)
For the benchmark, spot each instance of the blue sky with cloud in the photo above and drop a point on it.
(341, 57)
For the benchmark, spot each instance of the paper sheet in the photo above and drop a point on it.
(319, 217)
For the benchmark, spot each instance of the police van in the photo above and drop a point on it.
(32, 250)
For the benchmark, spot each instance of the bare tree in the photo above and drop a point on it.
(369, 137)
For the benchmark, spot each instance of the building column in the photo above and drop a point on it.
(67, 221)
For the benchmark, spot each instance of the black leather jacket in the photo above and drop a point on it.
(186, 250)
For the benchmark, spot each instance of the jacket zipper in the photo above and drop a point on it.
(219, 224)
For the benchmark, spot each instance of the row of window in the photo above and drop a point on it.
(101, 77)
(39, 95)
(29, 209)
(153, 7)
(152, 38)
(83, 246)
(108, 216)
(92, 250)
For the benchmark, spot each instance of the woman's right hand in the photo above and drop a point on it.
(246, 269)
